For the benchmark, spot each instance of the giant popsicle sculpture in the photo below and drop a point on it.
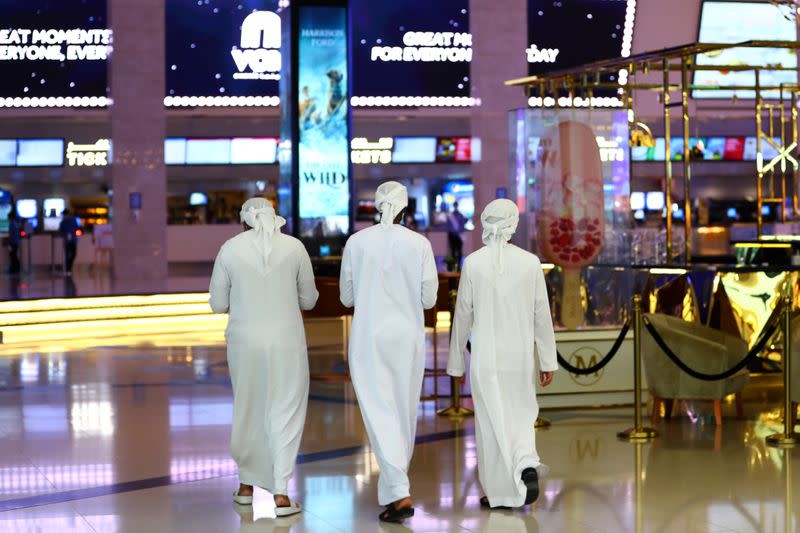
(570, 220)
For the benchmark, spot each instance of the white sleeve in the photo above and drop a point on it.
(307, 293)
(346, 294)
(543, 324)
(220, 287)
(462, 325)
(430, 278)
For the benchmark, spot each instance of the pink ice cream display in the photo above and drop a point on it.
(570, 219)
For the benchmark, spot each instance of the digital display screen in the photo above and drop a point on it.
(52, 209)
(414, 150)
(734, 149)
(676, 148)
(208, 151)
(445, 150)
(659, 150)
(251, 151)
(655, 200)
(637, 201)
(8, 152)
(412, 48)
(27, 208)
(639, 153)
(222, 48)
(463, 150)
(734, 22)
(40, 152)
(715, 149)
(750, 149)
(323, 110)
(599, 23)
(198, 198)
(39, 59)
(175, 151)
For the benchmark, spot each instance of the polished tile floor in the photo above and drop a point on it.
(135, 439)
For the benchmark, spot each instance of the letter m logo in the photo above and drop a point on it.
(261, 29)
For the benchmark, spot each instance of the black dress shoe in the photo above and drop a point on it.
(531, 480)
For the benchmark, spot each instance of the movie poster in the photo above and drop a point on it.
(323, 151)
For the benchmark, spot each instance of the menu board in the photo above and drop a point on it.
(414, 150)
(715, 149)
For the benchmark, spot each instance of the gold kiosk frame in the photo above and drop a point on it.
(780, 114)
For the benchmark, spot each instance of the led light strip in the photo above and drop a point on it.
(627, 38)
(52, 101)
(222, 101)
(563, 101)
(71, 304)
(414, 101)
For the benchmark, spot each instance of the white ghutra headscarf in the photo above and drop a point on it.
(259, 214)
(390, 198)
(499, 220)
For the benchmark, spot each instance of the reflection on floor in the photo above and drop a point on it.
(136, 439)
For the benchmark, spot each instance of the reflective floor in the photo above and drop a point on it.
(135, 439)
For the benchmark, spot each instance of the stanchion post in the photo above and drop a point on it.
(787, 439)
(638, 432)
(456, 411)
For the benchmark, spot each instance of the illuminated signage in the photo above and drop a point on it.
(364, 152)
(54, 54)
(23, 44)
(610, 149)
(258, 56)
(322, 109)
(88, 155)
(545, 55)
(427, 46)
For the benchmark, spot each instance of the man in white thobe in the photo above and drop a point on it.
(502, 302)
(262, 279)
(389, 274)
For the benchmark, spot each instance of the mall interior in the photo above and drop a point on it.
(650, 146)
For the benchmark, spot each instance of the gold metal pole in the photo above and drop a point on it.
(638, 432)
(687, 168)
(787, 439)
(788, 507)
(759, 161)
(456, 411)
(783, 162)
(795, 197)
(667, 160)
(639, 518)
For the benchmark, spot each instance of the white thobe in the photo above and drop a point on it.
(507, 314)
(389, 274)
(267, 355)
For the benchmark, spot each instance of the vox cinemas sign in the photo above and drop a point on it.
(323, 125)
(258, 56)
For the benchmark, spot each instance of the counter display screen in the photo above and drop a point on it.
(52, 49)
(734, 22)
(224, 48)
(411, 48)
